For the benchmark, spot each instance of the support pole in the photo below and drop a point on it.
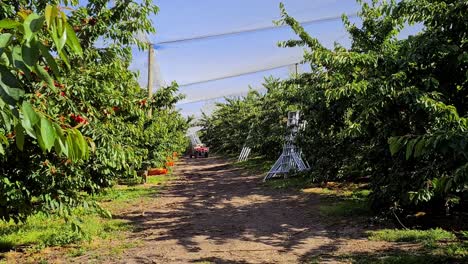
(150, 75)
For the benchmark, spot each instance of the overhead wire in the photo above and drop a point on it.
(236, 32)
(220, 97)
(240, 74)
(237, 93)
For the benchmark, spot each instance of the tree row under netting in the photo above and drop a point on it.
(388, 111)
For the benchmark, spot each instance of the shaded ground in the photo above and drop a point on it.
(215, 213)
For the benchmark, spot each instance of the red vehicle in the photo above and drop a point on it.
(199, 151)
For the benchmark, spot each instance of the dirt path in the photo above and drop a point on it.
(216, 213)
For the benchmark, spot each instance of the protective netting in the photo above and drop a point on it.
(213, 64)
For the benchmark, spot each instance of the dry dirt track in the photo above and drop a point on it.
(216, 213)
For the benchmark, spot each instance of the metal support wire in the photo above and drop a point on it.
(274, 67)
(236, 32)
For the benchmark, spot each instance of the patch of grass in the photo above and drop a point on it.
(361, 194)
(342, 201)
(119, 249)
(438, 243)
(439, 255)
(337, 199)
(412, 235)
(352, 191)
(128, 193)
(457, 249)
(41, 230)
(344, 208)
(396, 258)
(257, 164)
(294, 183)
(76, 252)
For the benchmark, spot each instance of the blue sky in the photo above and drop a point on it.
(193, 61)
(199, 60)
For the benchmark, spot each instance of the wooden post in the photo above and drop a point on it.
(150, 74)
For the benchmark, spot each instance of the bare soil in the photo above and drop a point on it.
(216, 213)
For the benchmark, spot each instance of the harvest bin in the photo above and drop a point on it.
(157, 171)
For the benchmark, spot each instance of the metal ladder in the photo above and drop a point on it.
(291, 157)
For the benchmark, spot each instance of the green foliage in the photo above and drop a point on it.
(387, 109)
(398, 235)
(438, 243)
(44, 230)
(25, 59)
(256, 120)
(66, 132)
(255, 164)
(347, 208)
(344, 203)
(399, 258)
(128, 193)
(41, 231)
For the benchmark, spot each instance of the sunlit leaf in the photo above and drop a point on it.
(47, 133)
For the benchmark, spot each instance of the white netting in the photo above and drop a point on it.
(243, 52)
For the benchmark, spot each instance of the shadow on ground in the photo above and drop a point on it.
(216, 213)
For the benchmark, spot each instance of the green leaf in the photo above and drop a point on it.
(44, 75)
(2, 150)
(61, 146)
(410, 148)
(418, 149)
(10, 90)
(62, 41)
(40, 141)
(5, 59)
(71, 150)
(5, 40)
(73, 41)
(19, 136)
(64, 58)
(48, 15)
(3, 140)
(30, 118)
(58, 130)
(30, 53)
(49, 59)
(79, 146)
(60, 142)
(395, 145)
(55, 38)
(47, 133)
(6, 120)
(9, 24)
(32, 25)
(17, 56)
(83, 145)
